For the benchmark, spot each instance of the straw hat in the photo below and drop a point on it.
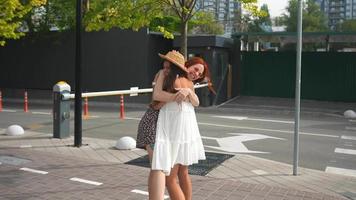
(176, 58)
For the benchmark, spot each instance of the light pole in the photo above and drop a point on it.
(297, 88)
(78, 77)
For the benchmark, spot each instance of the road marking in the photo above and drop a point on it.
(259, 172)
(145, 193)
(352, 120)
(42, 113)
(345, 151)
(346, 137)
(6, 110)
(235, 143)
(253, 119)
(85, 181)
(134, 118)
(33, 170)
(26, 146)
(271, 130)
(350, 128)
(340, 171)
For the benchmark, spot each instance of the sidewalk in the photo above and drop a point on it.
(97, 161)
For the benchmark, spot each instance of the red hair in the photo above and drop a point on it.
(206, 73)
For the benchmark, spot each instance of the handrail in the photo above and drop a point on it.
(120, 92)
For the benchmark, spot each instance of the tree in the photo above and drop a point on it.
(313, 18)
(205, 23)
(348, 25)
(12, 14)
(185, 10)
(261, 23)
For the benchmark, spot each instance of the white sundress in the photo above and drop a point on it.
(178, 140)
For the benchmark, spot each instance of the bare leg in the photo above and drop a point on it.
(156, 185)
(185, 182)
(174, 190)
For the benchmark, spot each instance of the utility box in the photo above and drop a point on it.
(61, 110)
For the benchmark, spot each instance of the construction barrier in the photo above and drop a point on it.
(0, 101)
(86, 108)
(25, 108)
(122, 109)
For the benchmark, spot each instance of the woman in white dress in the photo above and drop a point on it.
(178, 141)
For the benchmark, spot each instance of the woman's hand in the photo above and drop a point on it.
(182, 94)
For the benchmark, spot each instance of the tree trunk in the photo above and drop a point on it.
(184, 40)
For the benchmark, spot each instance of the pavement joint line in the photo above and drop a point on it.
(345, 151)
(85, 181)
(145, 193)
(263, 129)
(33, 170)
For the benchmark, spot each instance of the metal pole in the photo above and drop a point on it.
(297, 88)
(78, 78)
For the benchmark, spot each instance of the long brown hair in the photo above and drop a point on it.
(174, 72)
(205, 76)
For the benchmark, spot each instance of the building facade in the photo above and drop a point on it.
(224, 10)
(338, 11)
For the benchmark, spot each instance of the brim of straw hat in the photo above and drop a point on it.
(174, 62)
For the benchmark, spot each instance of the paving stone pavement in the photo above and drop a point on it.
(107, 177)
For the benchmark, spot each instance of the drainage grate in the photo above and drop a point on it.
(11, 160)
(201, 169)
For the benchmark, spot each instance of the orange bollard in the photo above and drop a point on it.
(122, 110)
(25, 108)
(86, 108)
(0, 102)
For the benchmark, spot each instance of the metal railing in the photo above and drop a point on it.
(120, 92)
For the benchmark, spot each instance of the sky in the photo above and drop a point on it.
(276, 7)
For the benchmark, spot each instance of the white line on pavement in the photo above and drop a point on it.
(42, 113)
(134, 118)
(253, 119)
(26, 146)
(6, 110)
(259, 172)
(350, 128)
(345, 151)
(145, 193)
(340, 171)
(33, 170)
(346, 137)
(263, 129)
(85, 181)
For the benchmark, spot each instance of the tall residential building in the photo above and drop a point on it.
(338, 11)
(224, 11)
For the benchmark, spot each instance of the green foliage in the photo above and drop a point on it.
(124, 14)
(205, 23)
(12, 13)
(348, 26)
(313, 19)
(261, 23)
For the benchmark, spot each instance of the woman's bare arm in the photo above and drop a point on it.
(186, 87)
(158, 93)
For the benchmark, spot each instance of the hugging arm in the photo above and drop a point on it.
(163, 96)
